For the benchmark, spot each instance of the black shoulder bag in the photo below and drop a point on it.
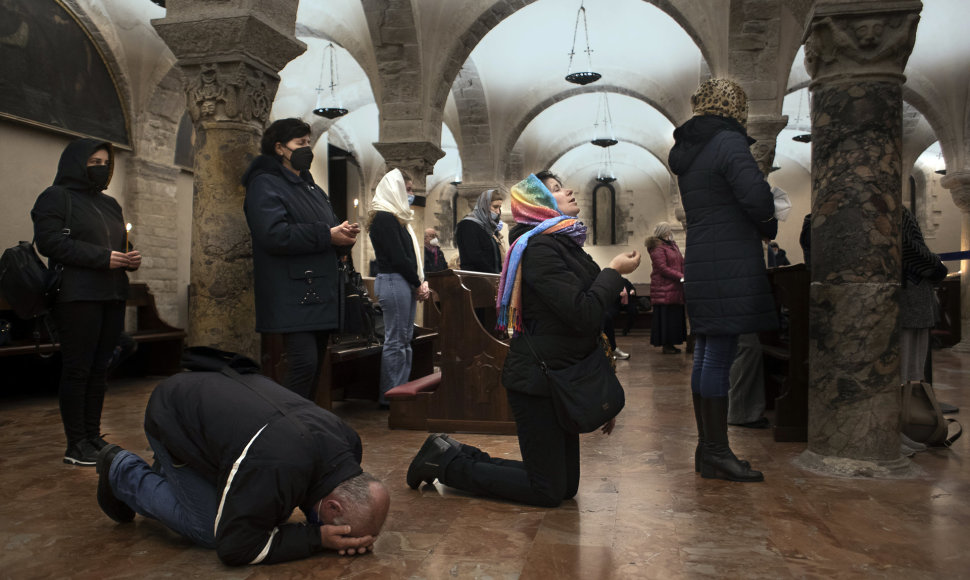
(587, 394)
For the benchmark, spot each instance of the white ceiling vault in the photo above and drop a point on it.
(510, 111)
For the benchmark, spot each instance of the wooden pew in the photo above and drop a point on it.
(159, 343)
(785, 353)
(470, 397)
(350, 369)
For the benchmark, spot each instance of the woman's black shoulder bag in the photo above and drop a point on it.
(586, 395)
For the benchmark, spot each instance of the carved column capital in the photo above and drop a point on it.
(847, 41)
(416, 157)
(959, 185)
(473, 190)
(229, 60)
(764, 130)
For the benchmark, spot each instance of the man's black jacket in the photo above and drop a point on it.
(265, 449)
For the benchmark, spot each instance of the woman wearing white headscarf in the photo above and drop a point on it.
(400, 275)
(476, 235)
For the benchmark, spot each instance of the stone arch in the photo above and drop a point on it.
(466, 42)
(566, 147)
(474, 135)
(521, 124)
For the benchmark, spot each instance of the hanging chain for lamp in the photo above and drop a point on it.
(603, 137)
(606, 174)
(336, 110)
(588, 76)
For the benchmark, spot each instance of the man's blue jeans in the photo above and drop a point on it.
(396, 297)
(177, 496)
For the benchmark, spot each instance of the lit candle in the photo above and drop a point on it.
(127, 229)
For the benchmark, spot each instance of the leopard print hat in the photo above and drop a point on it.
(721, 97)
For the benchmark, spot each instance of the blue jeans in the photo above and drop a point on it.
(713, 356)
(396, 297)
(178, 497)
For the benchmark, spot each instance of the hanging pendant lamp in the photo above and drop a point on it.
(588, 76)
(330, 112)
(603, 127)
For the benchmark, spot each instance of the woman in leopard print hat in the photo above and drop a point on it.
(729, 210)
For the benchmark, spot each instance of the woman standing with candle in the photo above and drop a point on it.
(89, 242)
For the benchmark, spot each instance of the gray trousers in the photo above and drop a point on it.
(746, 398)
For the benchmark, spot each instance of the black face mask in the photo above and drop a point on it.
(301, 158)
(99, 176)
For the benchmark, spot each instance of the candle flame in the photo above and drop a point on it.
(127, 227)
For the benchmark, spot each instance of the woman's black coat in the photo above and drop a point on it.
(477, 250)
(294, 263)
(564, 300)
(97, 227)
(393, 247)
(730, 209)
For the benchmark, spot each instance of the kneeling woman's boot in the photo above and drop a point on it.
(717, 459)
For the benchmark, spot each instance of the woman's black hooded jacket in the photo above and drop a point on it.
(97, 228)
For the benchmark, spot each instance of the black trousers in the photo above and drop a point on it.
(88, 332)
(303, 353)
(548, 472)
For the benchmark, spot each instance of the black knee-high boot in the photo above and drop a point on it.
(717, 459)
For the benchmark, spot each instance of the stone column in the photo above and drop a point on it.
(959, 185)
(856, 53)
(229, 55)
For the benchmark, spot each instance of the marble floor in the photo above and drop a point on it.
(641, 511)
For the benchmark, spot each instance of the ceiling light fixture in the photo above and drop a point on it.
(588, 76)
(336, 110)
(803, 138)
(603, 135)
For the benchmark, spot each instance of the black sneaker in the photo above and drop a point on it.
(81, 453)
(113, 507)
(98, 442)
(427, 464)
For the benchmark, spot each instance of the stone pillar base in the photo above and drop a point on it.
(830, 465)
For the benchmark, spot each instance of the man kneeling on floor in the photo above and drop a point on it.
(234, 456)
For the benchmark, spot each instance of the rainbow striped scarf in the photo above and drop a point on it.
(532, 204)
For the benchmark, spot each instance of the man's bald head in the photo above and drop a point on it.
(361, 502)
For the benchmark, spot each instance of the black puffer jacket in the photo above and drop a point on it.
(477, 250)
(294, 264)
(564, 300)
(97, 227)
(265, 449)
(729, 210)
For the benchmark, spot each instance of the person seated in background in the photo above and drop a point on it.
(434, 258)
(233, 458)
(776, 256)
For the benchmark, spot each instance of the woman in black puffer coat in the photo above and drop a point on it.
(296, 236)
(91, 246)
(564, 300)
(730, 210)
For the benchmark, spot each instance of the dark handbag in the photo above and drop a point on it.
(29, 286)
(921, 419)
(587, 394)
(359, 317)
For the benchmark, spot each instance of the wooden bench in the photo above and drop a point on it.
(159, 343)
(785, 353)
(469, 396)
(350, 369)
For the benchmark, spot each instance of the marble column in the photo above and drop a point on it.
(855, 54)
(959, 185)
(229, 57)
